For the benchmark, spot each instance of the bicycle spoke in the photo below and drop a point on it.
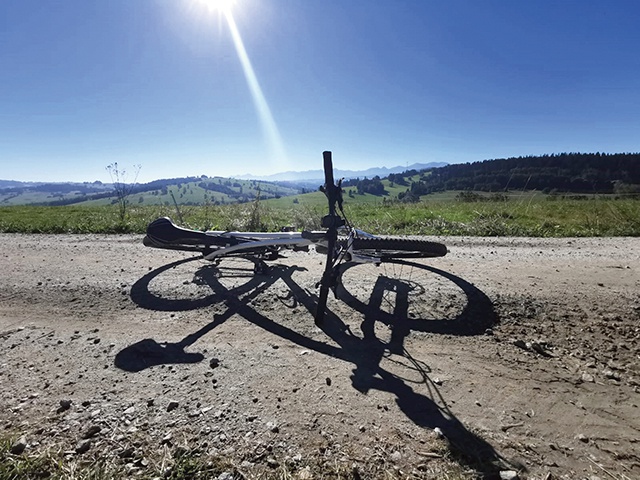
(401, 291)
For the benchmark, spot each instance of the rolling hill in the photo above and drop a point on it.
(583, 173)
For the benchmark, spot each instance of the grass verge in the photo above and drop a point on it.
(534, 217)
(184, 463)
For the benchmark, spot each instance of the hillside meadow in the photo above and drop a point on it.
(529, 214)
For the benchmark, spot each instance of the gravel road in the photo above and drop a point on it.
(507, 355)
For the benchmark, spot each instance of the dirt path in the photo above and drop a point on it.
(524, 353)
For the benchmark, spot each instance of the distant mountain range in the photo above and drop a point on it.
(187, 190)
(318, 175)
(582, 173)
(305, 176)
(97, 185)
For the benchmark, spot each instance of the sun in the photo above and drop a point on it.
(220, 6)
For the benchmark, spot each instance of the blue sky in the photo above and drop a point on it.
(160, 83)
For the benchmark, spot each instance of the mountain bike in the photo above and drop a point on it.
(339, 240)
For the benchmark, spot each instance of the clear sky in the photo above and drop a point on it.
(183, 89)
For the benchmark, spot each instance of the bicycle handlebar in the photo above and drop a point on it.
(328, 169)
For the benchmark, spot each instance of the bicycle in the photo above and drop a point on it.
(340, 241)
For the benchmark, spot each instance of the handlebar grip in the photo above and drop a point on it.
(328, 169)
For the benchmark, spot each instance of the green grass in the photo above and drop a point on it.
(567, 218)
(527, 215)
(184, 193)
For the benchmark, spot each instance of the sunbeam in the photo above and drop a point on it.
(223, 8)
(264, 112)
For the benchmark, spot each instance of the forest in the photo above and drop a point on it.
(564, 172)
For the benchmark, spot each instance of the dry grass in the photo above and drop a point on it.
(182, 463)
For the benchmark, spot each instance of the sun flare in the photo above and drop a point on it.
(223, 10)
(221, 6)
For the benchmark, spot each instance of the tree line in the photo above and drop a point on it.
(564, 172)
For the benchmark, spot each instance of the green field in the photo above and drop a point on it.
(189, 193)
(524, 214)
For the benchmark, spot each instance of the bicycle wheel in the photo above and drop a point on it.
(396, 247)
(405, 297)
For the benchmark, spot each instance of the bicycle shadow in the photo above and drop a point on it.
(475, 318)
(148, 352)
(366, 352)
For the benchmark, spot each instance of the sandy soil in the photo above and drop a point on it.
(520, 354)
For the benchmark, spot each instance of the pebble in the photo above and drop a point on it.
(19, 446)
(610, 374)
(83, 446)
(64, 405)
(509, 475)
(172, 406)
(520, 344)
(127, 452)
(583, 438)
(587, 377)
(539, 348)
(214, 363)
(91, 431)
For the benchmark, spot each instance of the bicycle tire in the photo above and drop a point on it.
(396, 247)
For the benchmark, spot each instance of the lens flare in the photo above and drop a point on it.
(264, 112)
(268, 124)
(218, 5)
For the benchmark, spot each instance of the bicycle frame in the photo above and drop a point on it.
(247, 242)
(257, 240)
